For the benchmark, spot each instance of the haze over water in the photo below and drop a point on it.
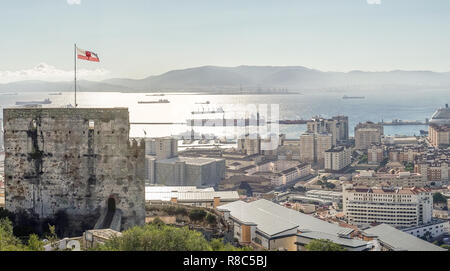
(416, 105)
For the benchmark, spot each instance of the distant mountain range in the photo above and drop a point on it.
(250, 79)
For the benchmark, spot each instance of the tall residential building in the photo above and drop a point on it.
(367, 134)
(250, 144)
(337, 127)
(343, 127)
(337, 158)
(375, 154)
(313, 147)
(399, 207)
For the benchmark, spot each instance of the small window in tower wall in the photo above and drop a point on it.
(91, 125)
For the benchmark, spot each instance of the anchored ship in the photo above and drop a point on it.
(160, 101)
(353, 97)
(46, 101)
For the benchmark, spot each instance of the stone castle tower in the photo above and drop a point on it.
(80, 161)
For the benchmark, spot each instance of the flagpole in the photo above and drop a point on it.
(75, 72)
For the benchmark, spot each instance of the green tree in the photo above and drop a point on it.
(439, 198)
(323, 245)
(330, 185)
(6, 214)
(409, 166)
(153, 237)
(52, 237)
(447, 247)
(8, 242)
(197, 215)
(35, 244)
(219, 245)
(211, 219)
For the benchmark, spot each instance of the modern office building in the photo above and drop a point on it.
(399, 207)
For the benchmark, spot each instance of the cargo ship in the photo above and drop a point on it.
(160, 101)
(46, 101)
(353, 97)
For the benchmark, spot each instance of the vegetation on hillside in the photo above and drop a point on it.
(323, 245)
(159, 237)
(9, 242)
(439, 198)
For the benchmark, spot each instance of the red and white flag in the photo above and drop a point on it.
(87, 55)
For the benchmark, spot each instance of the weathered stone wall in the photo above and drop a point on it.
(73, 160)
(1, 134)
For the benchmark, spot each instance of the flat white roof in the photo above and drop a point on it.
(399, 240)
(160, 188)
(273, 219)
(192, 196)
(190, 160)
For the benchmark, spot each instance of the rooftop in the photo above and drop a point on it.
(273, 219)
(189, 195)
(400, 241)
(189, 160)
(386, 190)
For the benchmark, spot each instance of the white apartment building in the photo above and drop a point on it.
(399, 207)
(280, 172)
(337, 158)
(401, 179)
(434, 228)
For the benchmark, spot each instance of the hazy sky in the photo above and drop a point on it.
(138, 38)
